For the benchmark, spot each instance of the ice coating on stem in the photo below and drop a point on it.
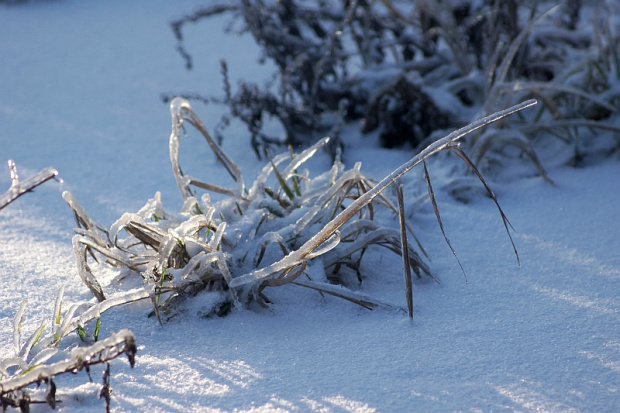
(181, 110)
(17, 326)
(18, 188)
(100, 352)
(301, 254)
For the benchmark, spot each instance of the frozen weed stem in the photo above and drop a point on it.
(12, 387)
(292, 229)
(19, 188)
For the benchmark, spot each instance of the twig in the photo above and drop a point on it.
(18, 188)
(81, 357)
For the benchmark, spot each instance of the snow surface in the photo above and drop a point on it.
(79, 90)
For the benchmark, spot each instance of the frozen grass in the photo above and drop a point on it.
(30, 363)
(320, 225)
(18, 188)
(410, 71)
(548, 348)
(35, 371)
(268, 235)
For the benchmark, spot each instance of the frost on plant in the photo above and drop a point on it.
(19, 188)
(39, 359)
(33, 360)
(410, 70)
(211, 245)
(287, 227)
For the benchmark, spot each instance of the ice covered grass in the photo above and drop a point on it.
(317, 225)
(36, 371)
(320, 225)
(541, 338)
(19, 188)
(31, 361)
(410, 71)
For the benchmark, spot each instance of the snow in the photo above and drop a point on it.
(79, 91)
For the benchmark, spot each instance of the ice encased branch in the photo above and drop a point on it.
(18, 188)
(80, 357)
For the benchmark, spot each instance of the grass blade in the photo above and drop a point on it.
(431, 194)
(505, 221)
(281, 180)
(405, 250)
(58, 306)
(341, 292)
(25, 350)
(17, 325)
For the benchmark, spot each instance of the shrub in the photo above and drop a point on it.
(409, 70)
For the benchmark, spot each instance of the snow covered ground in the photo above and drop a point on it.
(79, 90)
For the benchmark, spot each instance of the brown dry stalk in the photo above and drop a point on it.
(405, 247)
(431, 195)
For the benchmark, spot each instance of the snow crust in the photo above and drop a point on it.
(79, 91)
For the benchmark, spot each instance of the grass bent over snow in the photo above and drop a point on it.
(265, 235)
(292, 229)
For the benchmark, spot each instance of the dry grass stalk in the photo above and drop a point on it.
(431, 195)
(404, 243)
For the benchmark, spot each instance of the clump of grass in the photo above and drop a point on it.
(31, 362)
(286, 228)
(305, 229)
(572, 72)
(13, 386)
(411, 70)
